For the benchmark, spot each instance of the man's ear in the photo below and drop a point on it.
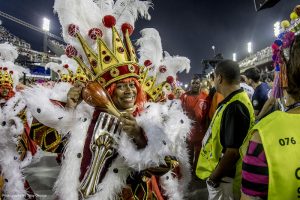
(220, 79)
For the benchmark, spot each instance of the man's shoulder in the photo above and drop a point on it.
(236, 107)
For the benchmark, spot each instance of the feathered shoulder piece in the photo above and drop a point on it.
(159, 75)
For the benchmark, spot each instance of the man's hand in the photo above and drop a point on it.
(74, 95)
(226, 164)
(130, 126)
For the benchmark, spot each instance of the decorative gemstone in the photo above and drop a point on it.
(94, 33)
(162, 69)
(107, 59)
(120, 49)
(70, 51)
(73, 30)
(94, 63)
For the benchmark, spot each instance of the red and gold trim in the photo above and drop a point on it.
(117, 73)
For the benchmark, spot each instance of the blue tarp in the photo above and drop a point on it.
(39, 70)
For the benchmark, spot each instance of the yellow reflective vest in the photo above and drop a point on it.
(211, 152)
(280, 136)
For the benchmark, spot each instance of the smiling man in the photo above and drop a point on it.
(137, 151)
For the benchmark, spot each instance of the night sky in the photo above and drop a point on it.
(187, 27)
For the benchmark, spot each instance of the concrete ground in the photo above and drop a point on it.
(42, 176)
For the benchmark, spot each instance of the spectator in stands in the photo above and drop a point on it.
(271, 164)
(260, 95)
(246, 87)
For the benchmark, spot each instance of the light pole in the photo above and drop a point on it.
(46, 28)
(249, 48)
(214, 49)
(234, 56)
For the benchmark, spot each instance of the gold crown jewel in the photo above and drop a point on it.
(80, 75)
(66, 77)
(155, 92)
(106, 66)
(6, 79)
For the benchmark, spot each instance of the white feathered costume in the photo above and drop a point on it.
(11, 128)
(165, 125)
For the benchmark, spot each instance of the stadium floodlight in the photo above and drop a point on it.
(46, 24)
(276, 28)
(234, 56)
(249, 47)
(186, 86)
(214, 49)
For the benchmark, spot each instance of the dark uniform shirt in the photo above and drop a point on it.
(234, 124)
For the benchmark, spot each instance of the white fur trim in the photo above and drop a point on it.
(9, 162)
(113, 183)
(45, 111)
(68, 180)
(165, 126)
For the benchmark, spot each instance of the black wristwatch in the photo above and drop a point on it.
(212, 183)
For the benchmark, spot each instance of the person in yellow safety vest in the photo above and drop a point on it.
(271, 166)
(234, 117)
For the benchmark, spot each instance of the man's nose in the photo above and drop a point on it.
(128, 88)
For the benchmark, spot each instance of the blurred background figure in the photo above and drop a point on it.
(246, 87)
(195, 103)
(261, 89)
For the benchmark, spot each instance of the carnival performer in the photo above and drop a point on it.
(16, 148)
(271, 162)
(120, 147)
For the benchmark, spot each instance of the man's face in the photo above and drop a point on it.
(249, 81)
(125, 95)
(195, 85)
(4, 91)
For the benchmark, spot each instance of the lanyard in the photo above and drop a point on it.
(295, 105)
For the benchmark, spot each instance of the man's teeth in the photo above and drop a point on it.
(128, 98)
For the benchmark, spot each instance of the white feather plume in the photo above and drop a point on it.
(106, 6)
(127, 11)
(60, 67)
(85, 14)
(150, 47)
(174, 65)
(8, 52)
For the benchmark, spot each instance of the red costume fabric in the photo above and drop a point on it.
(196, 107)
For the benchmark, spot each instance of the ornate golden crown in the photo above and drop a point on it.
(6, 77)
(106, 65)
(66, 77)
(155, 92)
(80, 75)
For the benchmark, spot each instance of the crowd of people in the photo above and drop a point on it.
(122, 128)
